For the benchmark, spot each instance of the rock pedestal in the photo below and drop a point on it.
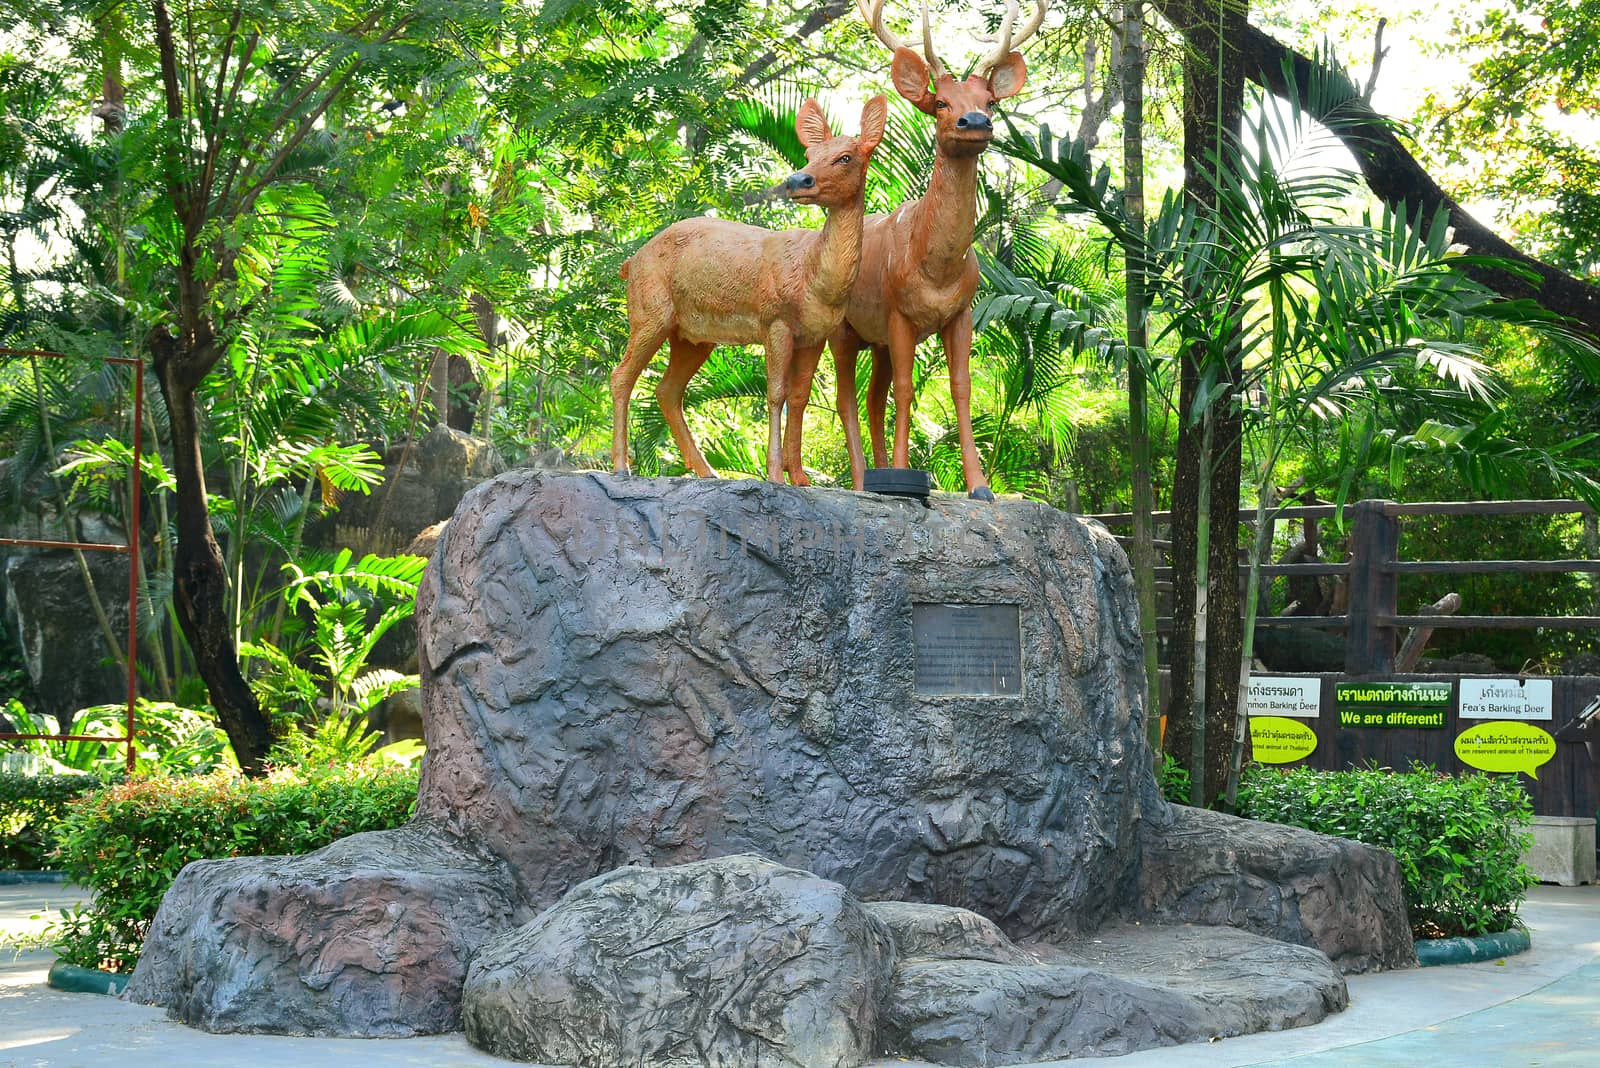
(655, 671)
(727, 962)
(930, 706)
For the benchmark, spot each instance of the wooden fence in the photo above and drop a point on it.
(1372, 621)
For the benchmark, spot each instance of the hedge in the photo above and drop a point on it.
(1458, 838)
(31, 808)
(128, 842)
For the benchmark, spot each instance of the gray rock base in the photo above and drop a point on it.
(656, 672)
(1286, 883)
(370, 936)
(724, 963)
(1126, 989)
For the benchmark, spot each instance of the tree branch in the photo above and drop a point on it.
(1378, 54)
(818, 18)
(1394, 174)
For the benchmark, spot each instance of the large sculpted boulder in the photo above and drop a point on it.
(371, 935)
(724, 962)
(653, 671)
(1289, 884)
(938, 708)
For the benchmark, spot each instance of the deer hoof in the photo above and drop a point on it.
(981, 493)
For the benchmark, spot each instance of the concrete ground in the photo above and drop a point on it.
(1540, 1008)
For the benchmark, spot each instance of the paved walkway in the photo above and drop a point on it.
(1541, 1008)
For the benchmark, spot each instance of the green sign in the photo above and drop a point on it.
(1403, 705)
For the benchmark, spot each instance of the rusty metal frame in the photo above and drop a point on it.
(131, 547)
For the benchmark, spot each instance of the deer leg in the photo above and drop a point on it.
(846, 346)
(877, 403)
(780, 357)
(644, 341)
(957, 338)
(902, 361)
(801, 373)
(684, 360)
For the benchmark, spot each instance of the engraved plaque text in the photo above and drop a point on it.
(971, 649)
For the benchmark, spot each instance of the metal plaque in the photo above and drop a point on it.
(969, 649)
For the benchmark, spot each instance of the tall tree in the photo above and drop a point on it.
(1206, 619)
(1131, 82)
(245, 90)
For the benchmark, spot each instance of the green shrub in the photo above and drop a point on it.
(1458, 838)
(127, 843)
(1174, 778)
(31, 807)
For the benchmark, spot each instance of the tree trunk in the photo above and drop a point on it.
(1144, 502)
(465, 395)
(1213, 104)
(487, 320)
(199, 581)
(1199, 683)
(439, 386)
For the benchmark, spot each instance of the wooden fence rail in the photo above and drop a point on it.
(1373, 620)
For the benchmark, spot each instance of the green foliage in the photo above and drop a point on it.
(336, 740)
(31, 809)
(1511, 132)
(127, 843)
(1176, 785)
(170, 739)
(1458, 839)
(322, 674)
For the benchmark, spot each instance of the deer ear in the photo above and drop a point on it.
(811, 124)
(1008, 76)
(873, 117)
(910, 76)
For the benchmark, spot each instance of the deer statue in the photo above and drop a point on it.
(705, 282)
(918, 272)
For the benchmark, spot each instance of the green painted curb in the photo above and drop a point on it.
(12, 877)
(76, 980)
(1435, 951)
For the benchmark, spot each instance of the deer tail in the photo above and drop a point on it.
(623, 270)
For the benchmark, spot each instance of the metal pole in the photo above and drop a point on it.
(134, 559)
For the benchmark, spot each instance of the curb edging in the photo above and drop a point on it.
(15, 877)
(1432, 952)
(76, 980)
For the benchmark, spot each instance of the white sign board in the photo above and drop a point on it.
(1275, 695)
(1505, 699)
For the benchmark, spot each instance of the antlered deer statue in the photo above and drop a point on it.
(918, 272)
(705, 282)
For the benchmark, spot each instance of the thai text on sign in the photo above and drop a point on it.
(1402, 705)
(1277, 695)
(1506, 699)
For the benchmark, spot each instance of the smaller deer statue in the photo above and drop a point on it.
(705, 282)
(918, 271)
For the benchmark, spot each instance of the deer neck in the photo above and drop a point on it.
(942, 232)
(836, 254)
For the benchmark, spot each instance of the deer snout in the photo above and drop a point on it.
(975, 120)
(798, 181)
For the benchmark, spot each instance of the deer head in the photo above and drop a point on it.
(835, 175)
(962, 110)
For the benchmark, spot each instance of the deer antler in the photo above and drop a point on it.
(1006, 41)
(874, 19)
